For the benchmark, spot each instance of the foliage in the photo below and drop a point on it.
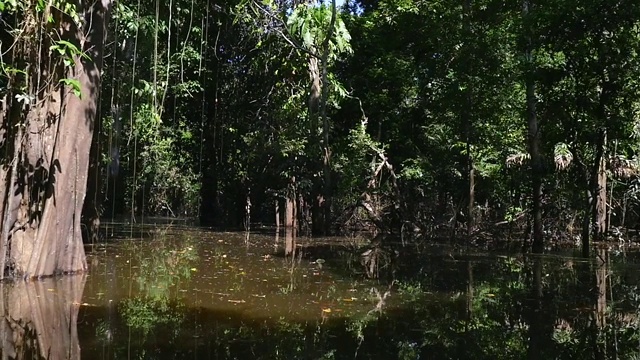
(215, 104)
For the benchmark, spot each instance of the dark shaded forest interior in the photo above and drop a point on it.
(474, 120)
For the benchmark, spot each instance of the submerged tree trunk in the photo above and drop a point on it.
(44, 178)
(533, 132)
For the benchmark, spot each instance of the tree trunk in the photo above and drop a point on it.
(595, 198)
(533, 133)
(601, 197)
(466, 114)
(314, 97)
(289, 241)
(44, 188)
(472, 193)
(586, 225)
(326, 149)
(314, 104)
(290, 206)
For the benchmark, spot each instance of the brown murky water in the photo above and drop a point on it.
(225, 271)
(178, 292)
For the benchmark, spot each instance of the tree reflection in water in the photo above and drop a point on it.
(40, 318)
(442, 305)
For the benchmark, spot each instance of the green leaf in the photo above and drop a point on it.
(75, 86)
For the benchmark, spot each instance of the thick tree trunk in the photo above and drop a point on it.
(533, 133)
(41, 227)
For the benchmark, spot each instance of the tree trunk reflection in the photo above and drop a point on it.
(40, 318)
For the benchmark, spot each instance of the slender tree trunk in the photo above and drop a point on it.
(314, 97)
(289, 241)
(314, 105)
(601, 191)
(586, 224)
(608, 208)
(593, 177)
(472, 194)
(290, 205)
(41, 215)
(326, 149)
(466, 113)
(533, 131)
(247, 211)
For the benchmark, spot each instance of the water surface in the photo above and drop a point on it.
(174, 292)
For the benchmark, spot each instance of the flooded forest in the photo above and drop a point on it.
(322, 179)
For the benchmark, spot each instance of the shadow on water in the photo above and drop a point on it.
(180, 293)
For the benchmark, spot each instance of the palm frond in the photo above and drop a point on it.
(517, 159)
(562, 156)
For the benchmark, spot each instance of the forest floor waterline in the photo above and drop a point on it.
(179, 292)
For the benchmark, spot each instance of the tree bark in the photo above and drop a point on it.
(43, 199)
(601, 198)
(290, 206)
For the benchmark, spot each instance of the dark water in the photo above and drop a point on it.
(167, 292)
